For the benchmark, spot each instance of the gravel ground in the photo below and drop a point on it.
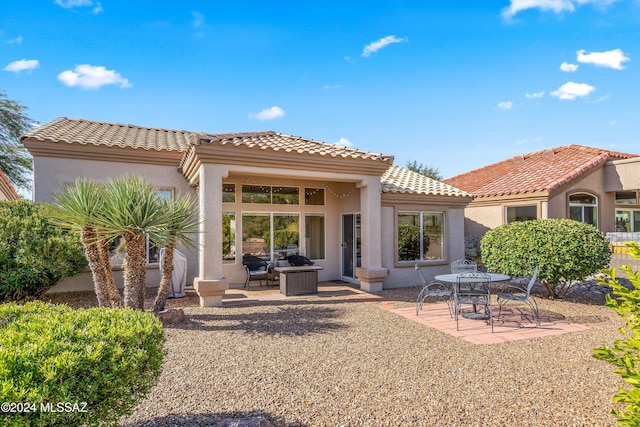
(341, 362)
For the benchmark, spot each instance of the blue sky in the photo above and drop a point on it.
(452, 84)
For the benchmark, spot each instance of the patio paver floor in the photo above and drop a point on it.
(513, 325)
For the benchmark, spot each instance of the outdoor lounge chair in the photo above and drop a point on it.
(433, 289)
(257, 269)
(520, 294)
(473, 288)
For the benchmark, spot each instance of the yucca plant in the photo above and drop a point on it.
(78, 206)
(181, 223)
(133, 210)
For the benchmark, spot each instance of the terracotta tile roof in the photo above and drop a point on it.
(401, 180)
(539, 171)
(7, 188)
(269, 140)
(110, 134)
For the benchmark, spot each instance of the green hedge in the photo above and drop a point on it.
(565, 250)
(102, 361)
(34, 254)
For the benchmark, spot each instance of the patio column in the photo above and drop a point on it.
(371, 274)
(210, 284)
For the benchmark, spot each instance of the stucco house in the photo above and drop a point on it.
(7, 192)
(593, 185)
(267, 193)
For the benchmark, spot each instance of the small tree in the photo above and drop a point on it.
(15, 160)
(34, 253)
(565, 250)
(625, 355)
(429, 171)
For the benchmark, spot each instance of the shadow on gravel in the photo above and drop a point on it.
(244, 419)
(286, 320)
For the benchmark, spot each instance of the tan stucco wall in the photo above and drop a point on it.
(403, 274)
(622, 175)
(50, 174)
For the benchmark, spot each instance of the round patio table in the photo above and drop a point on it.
(453, 278)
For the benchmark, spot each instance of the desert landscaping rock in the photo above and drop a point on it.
(346, 362)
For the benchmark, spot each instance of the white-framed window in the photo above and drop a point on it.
(228, 193)
(270, 235)
(628, 220)
(420, 236)
(314, 196)
(267, 194)
(520, 213)
(228, 237)
(583, 207)
(314, 236)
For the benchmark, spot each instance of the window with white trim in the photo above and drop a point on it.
(420, 236)
(583, 207)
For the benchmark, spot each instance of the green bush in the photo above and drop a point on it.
(626, 354)
(98, 361)
(409, 242)
(565, 250)
(34, 253)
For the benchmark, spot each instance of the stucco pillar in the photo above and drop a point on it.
(544, 210)
(210, 283)
(371, 274)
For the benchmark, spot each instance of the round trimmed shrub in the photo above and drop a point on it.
(34, 253)
(98, 363)
(564, 249)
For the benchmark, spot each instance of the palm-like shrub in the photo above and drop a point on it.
(565, 250)
(133, 210)
(78, 207)
(625, 354)
(180, 224)
(34, 253)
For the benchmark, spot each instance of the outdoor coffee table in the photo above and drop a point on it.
(453, 278)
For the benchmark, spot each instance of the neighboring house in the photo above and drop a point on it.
(597, 186)
(352, 212)
(7, 192)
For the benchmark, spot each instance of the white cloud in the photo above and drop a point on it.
(571, 90)
(198, 19)
(569, 68)
(22, 65)
(611, 58)
(534, 95)
(70, 4)
(379, 44)
(344, 142)
(17, 40)
(555, 6)
(268, 114)
(507, 105)
(331, 87)
(88, 76)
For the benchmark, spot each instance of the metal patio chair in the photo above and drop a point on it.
(463, 266)
(520, 294)
(473, 288)
(433, 289)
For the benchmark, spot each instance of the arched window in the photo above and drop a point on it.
(584, 207)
